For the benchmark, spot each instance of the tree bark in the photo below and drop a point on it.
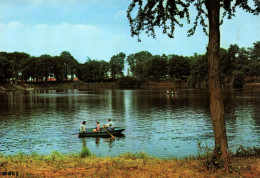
(216, 96)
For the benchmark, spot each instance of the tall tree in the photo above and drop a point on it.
(199, 71)
(104, 69)
(157, 67)
(59, 69)
(137, 64)
(179, 67)
(255, 52)
(254, 65)
(17, 59)
(90, 71)
(169, 13)
(28, 70)
(69, 63)
(46, 62)
(5, 69)
(117, 63)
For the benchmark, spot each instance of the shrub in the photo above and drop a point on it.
(238, 79)
(141, 155)
(85, 152)
(247, 152)
(129, 82)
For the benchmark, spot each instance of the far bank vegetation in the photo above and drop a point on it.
(238, 65)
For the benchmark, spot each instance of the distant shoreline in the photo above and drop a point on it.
(82, 85)
(252, 84)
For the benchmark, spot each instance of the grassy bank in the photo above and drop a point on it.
(126, 165)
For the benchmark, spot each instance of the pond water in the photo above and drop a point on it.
(161, 125)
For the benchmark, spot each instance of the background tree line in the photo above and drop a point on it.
(236, 63)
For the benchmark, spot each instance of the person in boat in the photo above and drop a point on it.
(97, 129)
(82, 127)
(109, 125)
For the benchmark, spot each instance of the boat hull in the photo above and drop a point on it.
(116, 132)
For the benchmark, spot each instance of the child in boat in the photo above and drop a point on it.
(97, 129)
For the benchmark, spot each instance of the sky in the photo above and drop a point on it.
(99, 29)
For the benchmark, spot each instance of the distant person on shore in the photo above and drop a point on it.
(82, 128)
(109, 125)
(97, 129)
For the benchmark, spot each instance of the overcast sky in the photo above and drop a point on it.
(99, 29)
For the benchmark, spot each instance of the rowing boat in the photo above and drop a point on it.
(103, 133)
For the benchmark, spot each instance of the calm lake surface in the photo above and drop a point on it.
(161, 125)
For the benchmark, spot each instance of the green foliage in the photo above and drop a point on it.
(141, 155)
(137, 63)
(209, 156)
(156, 67)
(255, 52)
(117, 65)
(129, 82)
(254, 68)
(94, 71)
(179, 67)
(212, 162)
(204, 151)
(247, 152)
(68, 63)
(5, 69)
(238, 79)
(227, 62)
(147, 15)
(235, 62)
(199, 71)
(85, 152)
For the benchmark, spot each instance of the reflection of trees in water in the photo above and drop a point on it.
(118, 103)
(13, 100)
(242, 116)
(115, 106)
(240, 104)
(24, 101)
(150, 100)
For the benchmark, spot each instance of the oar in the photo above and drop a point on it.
(109, 133)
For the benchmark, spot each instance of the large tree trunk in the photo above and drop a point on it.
(216, 97)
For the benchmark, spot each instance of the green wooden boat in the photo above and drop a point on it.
(103, 133)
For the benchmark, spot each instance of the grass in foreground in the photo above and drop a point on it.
(125, 165)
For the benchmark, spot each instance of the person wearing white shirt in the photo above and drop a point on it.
(109, 125)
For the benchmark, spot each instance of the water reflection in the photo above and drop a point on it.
(109, 142)
(97, 141)
(103, 142)
(159, 124)
(84, 143)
